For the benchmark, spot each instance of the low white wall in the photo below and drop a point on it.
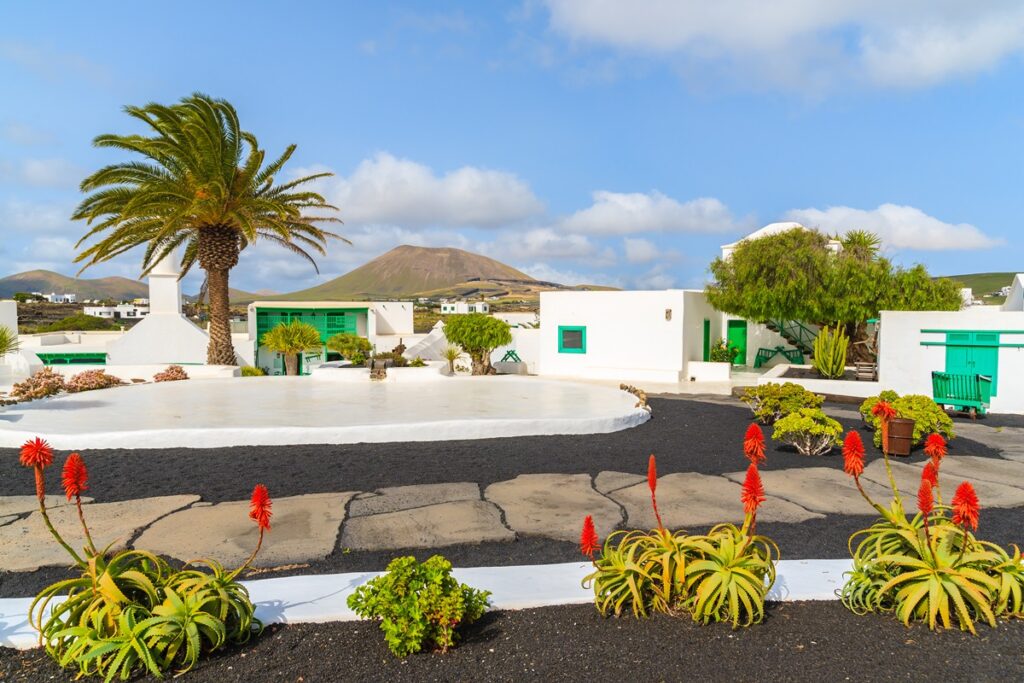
(430, 373)
(393, 317)
(9, 315)
(163, 338)
(700, 371)
(835, 387)
(905, 365)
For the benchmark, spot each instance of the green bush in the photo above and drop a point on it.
(349, 345)
(928, 416)
(771, 401)
(830, 352)
(478, 335)
(722, 352)
(418, 604)
(396, 359)
(358, 359)
(250, 371)
(417, 362)
(810, 430)
(79, 322)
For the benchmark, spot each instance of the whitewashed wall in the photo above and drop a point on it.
(905, 366)
(393, 317)
(628, 337)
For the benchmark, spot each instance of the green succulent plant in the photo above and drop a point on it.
(830, 352)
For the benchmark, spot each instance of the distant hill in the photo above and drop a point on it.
(983, 284)
(47, 281)
(414, 271)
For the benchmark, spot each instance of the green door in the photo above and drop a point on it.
(974, 353)
(707, 340)
(737, 336)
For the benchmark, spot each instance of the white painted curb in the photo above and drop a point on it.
(322, 598)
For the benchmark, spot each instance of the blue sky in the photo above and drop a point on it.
(580, 140)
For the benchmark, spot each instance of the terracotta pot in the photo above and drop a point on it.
(901, 436)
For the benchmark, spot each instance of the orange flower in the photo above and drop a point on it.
(853, 454)
(935, 448)
(36, 453)
(752, 494)
(884, 411)
(965, 506)
(259, 507)
(75, 477)
(589, 543)
(753, 443)
(652, 484)
(925, 501)
(930, 474)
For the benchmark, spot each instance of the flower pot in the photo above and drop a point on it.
(901, 436)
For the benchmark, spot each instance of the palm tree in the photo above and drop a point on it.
(451, 354)
(202, 184)
(291, 339)
(863, 245)
(8, 341)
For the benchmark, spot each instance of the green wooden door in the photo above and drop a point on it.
(737, 336)
(707, 340)
(974, 353)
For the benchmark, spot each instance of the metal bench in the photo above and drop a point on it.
(964, 392)
(766, 354)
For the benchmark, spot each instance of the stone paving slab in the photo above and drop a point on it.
(688, 500)
(553, 505)
(26, 544)
(397, 498)
(7, 519)
(609, 481)
(19, 505)
(467, 521)
(974, 468)
(1009, 440)
(302, 528)
(819, 489)
(908, 480)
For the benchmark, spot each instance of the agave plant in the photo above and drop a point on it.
(8, 341)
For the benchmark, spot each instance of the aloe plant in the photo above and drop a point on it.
(830, 352)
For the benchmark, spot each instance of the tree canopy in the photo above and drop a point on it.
(478, 334)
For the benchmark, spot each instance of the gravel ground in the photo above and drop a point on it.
(797, 642)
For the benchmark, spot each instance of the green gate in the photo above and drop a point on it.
(737, 336)
(973, 353)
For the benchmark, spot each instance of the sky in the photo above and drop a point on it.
(582, 141)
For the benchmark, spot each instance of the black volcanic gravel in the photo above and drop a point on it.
(809, 641)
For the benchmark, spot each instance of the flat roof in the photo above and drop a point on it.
(323, 304)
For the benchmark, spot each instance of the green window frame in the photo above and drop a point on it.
(562, 348)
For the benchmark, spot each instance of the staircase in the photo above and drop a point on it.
(796, 333)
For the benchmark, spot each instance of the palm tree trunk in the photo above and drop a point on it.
(291, 363)
(218, 253)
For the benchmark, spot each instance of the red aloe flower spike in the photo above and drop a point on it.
(753, 443)
(930, 474)
(259, 507)
(853, 454)
(965, 507)
(75, 478)
(935, 448)
(589, 542)
(752, 493)
(884, 411)
(925, 500)
(36, 453)
(652, 483)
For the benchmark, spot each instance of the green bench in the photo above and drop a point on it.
(764, 355)
(963, 392)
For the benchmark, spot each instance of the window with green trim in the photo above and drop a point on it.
(572, 339)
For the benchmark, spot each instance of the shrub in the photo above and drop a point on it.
(722, 352)
(358, 359)
(252, 371)
(419, 604)
(771, 401)
(173, 373)
(809, 430)
(45, 382)
(79, 322)
(291, 339)
(396, 360)
(930, 567)
(92, 379)
(349, 345)
(417, 362)
(830, 352)
(130, 611)
(8, 341)
(928, 416)
(723, 575)
(451, 354)
(478, 335)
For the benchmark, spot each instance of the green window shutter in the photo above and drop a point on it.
(572, 339)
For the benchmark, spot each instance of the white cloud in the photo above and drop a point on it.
(51, 249)
(806, 43)
(539, 243)
(42, 172)
(618, 213)
(22, 216)
(548, 273)
(388, 190)
(23, 134)
(654, 279)
(900, 227)
(639, 250)
(52, 64)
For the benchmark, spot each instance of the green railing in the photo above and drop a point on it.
(796, 333)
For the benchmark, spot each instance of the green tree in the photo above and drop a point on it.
(349, 345)
(794, 275)
(291, 339)
(478, 335)
(201, 184)
(8, 341)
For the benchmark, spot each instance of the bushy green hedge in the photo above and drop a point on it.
(809, 430)
(927, 415)
(771, 401)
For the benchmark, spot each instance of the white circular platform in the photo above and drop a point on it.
(213, 413)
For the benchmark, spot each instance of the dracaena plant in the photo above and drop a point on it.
(129, 612)
(929, 567)
(723, 575)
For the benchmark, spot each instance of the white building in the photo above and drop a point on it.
(119, 312)
(386, 324)
(454, 307)
(66, 298)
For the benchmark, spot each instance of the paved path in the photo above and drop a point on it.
(310, 527)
